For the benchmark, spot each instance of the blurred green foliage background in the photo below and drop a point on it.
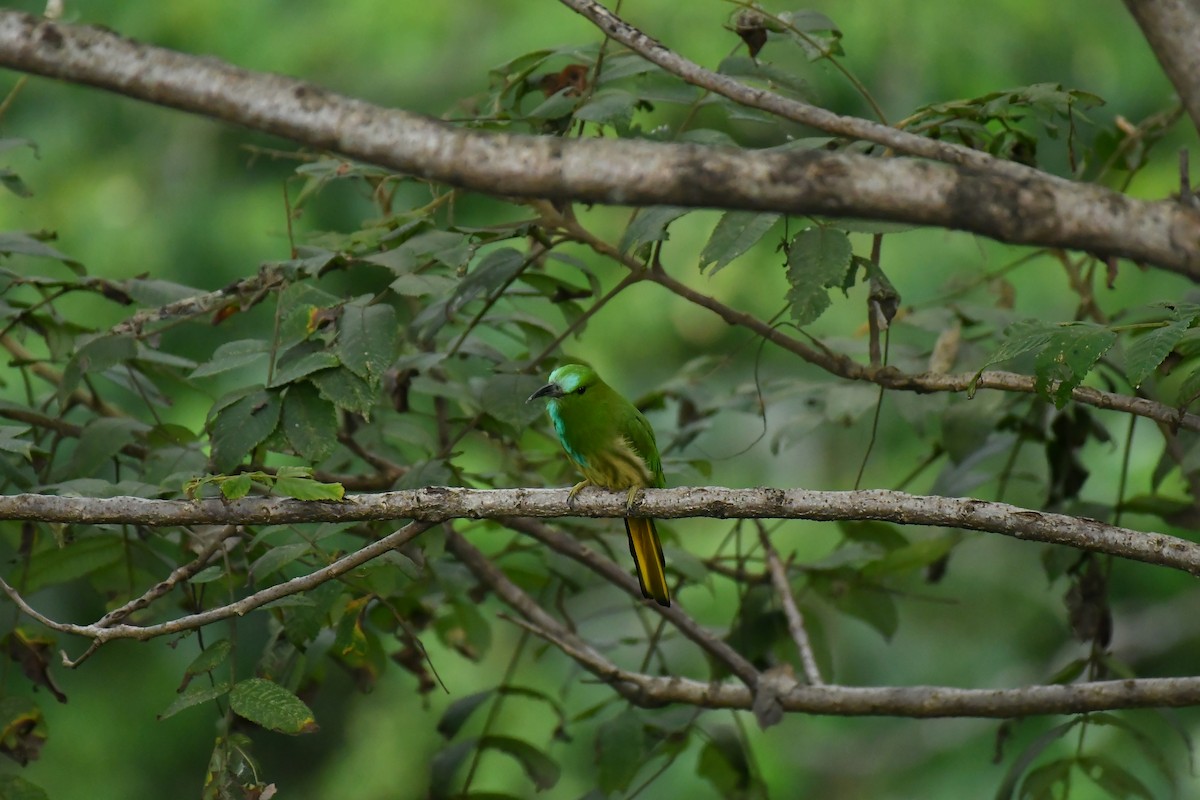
(132, 189)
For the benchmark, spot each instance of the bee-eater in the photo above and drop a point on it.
(612, 444)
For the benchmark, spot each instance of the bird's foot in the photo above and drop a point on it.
(631, 497)
(576, 489)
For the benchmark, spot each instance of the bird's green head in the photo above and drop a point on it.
(568, 381)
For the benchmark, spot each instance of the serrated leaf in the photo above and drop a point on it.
(345, 390)
(1147, 351)
(204, 694)
(273, 707)
(735, 233)
(310, 422)
(242, 426)
(1068, 357)
(620, 751)
(818, 259)
(309, 489)
(367, 339)
(1020, 338)
(650, 225)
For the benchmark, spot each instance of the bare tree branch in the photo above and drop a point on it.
(846, 367)
(1172, 28)
(1034, 209)
(104, 631)
(440, 503)
(791, 611)
(822, 119)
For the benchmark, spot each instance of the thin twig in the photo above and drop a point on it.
(795, 619)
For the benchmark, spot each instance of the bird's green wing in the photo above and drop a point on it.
(636, 428)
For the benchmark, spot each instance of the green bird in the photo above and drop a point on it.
(612, 444)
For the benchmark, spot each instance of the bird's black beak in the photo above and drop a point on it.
(549, 390)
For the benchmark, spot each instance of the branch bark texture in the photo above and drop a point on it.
(1038, 210)
(1172, 27)
(441, 503)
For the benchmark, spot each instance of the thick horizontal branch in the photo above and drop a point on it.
(440, 503)
(1040, 209)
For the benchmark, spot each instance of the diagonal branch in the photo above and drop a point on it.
(1172, 28)
(103, 631)
(822, 119)
(1034, 209)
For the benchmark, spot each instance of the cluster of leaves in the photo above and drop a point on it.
(399, 353)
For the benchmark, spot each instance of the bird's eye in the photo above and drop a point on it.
(581, 390)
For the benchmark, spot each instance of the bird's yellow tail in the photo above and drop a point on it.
(647, 554)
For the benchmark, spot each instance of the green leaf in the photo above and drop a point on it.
(273, 707)
(195, 697)
(309, 489)
(95, 356)
(620, 751)
(277, 557)
(724, 763)
(1114, 779)
(310, 422)
(650, 225)
(14, 787)
(241, 427)
(17, 243)
(12, 181)
(65, 564)
(494, 270)
(235, 487)
(296, 365)
(818, 260)
(458, 712)
(736, 232)
(1068, 357)
(234, 355)
(1148, 350)
(1031, 754)
(10, 441)
(1020, 338)
(1049, 781)
(209, 658)
(541, 769)
(367, 339)
(609, 107)
(345, 390)
(100, 440)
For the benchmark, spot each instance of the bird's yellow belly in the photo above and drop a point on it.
(617, 467)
